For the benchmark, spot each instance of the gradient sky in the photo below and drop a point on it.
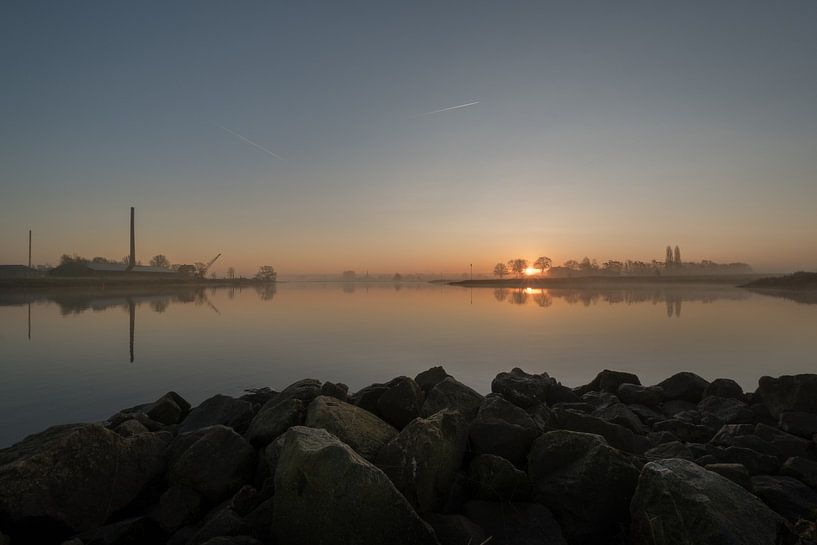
(607, 129)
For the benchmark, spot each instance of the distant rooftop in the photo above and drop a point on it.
(119, 267)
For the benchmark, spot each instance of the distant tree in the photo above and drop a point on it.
(348, 276)
(677, 256)
(500, 270)
(613, 267)
(266, 273)
(397, 277)
(669, 260)
(588, 266)
(187, 270)
(213, 275)
(571, 264)
(518, 266)
(543, 263)
(125, 260)
(65, 259)
(201, 268)
(231, 272)
(160, 261)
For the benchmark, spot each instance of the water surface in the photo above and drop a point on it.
(76, 365)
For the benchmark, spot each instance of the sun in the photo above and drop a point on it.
(530, 271)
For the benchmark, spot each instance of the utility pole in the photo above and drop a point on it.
(472, 270)
(29, 248)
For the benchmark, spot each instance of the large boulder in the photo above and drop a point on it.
(503, 429)
(737, 473)
(787, 496)
(496, 479)
(214, 461)
(523, 389)
(219, 409)
(70, 478)
(801, 469)
(609, 381)
(326, 493)
(785, 444)
(422, 461)
(584, 481)
(178, 505)
(450, 394)
(282, 412)
(455, 529)
(429, 378)
(684, 386)
(789, 393)
(798, 423)
(515, 523)
(634, 394)
(724, 387)
(356, 427)
(617, 436)
(621, 414)
(401, 402)
(673, 449)
(678, 501)
(727, 410)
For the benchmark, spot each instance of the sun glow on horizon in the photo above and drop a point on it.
(530, 271)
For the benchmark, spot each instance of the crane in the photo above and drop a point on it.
(203, 272)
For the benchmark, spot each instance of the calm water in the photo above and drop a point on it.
(76, 365)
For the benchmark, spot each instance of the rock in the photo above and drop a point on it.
(258, 397)
(677, 406)
(617, 436)
(650, 396)
(132, 530)
(259, 521)
(449, 394)
(724, 387)
(219, 409)
(515, 523)
(737, 473)
(131, 427)
(787, 496)
(234, 540)
(133, 414)
(401, 402)
(609, 381)
(327, 493)
(584, 481)
(689, 433)
(282, 412)
(70, 478)
(178, 506)
(496, 479)
(619, 413)
(522, 389)
(337, 390)
(223, 523)
(789, 393)
(661, 437)
(503, 429)
(580, 406)
(785, 444)
(356, 427)
(171, 408)
(801, 469)
(679, 502)
(422, 461)
(798, 423)
(674, 449)
(600, 400)
(684, 386)
(647, 415)
(429, 378)
(245, 500)
(367, 397)
(214, 462)
(755, 462)
(455, 529)
(727, 410)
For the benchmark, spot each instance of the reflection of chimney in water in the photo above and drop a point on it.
(132, 316)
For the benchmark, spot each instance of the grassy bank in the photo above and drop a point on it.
(605, 281)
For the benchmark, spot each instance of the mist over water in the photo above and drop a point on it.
(76, 365)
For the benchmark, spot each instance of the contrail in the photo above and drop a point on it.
(247, 140)
(447, 109)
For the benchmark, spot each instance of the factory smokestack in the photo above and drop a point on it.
(132, 261)
(29, 248)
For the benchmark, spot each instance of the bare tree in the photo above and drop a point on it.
(677, 256)
(500, 270)
(518, 266)
(543, 263)
(669, 260)
(266, 273)
(231, 272)
(160, 261)
(201, 269)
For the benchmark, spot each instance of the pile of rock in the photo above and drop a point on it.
(430, 461)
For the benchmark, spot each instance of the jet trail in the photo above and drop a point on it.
(248, 141)
(448, 109)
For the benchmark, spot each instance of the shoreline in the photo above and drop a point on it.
(428, 460)
(606, 281)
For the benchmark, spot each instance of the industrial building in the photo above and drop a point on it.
(17, 271)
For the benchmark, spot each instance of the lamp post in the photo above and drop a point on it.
(472, 270)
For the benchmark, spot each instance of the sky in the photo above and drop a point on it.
(301, 134)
